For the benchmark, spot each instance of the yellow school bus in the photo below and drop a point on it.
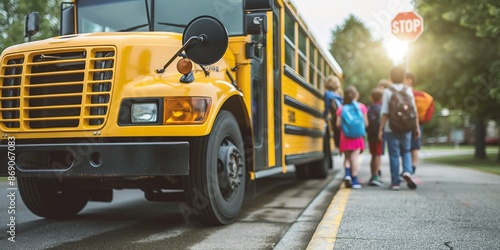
(189, 100)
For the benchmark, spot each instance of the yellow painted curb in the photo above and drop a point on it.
(326, 232)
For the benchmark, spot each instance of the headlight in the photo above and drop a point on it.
(186, 110)
(144, 112)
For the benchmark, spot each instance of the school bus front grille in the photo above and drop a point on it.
(56, 90)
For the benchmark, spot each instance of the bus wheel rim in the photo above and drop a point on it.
(229, 169)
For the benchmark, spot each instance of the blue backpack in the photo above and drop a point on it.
(352, 121)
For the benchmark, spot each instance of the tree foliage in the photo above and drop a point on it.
(12, 18)
(458, 54)
(483, 17)
(459, 57)
(362, 58)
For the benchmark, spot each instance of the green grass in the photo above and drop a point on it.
(490, 165)
(445, 147)
(453, 147)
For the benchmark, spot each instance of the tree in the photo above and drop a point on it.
(12, 16)
(363, 59)
(484, 18)
(459, 58)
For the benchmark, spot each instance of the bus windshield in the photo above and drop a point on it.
(155, 15)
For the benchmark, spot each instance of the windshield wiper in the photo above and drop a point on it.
(134, 28)
(173, 24)
(141, 25)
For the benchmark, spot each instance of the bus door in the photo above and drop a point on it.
(277, 38)
(260, 107)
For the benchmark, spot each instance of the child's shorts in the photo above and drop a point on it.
(376, 147)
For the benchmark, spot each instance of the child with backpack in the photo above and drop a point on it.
(352, 123)
(399, 122)
(333, 99)
(375, 144)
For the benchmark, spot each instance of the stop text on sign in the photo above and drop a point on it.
(407, 26)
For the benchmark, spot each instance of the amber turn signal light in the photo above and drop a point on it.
(186, 110)
(184, 66)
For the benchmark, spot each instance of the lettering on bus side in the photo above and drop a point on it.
(214, 68)
(291, 115)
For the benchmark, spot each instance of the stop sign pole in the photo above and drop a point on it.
(407, 26)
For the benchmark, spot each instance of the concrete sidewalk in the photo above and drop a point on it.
(454, 208)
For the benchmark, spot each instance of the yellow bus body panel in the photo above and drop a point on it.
(135, 76)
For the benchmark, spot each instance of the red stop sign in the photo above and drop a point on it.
(407, 26)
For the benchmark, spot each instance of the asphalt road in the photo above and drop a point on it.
(277, 208)
(454, 208)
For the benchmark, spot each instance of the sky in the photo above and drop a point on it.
(323, 16)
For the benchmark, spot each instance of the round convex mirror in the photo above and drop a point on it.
(214, 41)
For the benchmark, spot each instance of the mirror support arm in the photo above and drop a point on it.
(202, 38)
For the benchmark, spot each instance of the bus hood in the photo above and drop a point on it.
(118, 39)
(137, 53)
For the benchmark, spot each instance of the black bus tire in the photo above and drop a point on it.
(50, 199)
(319, 169)
(215, 186)
(302, 171)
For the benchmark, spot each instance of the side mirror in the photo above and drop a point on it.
(31, 25)
(204, 41)
(211, 40)
(257, 5)
(67, 20)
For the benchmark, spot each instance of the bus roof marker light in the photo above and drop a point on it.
(205, 41)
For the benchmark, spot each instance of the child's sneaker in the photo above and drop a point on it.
(348, 182)
(375, 181)
(401, 178)
(395, 187)
(355, 183)
(409, 181)
(416, 180)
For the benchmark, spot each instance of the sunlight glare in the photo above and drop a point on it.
(396, 49)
